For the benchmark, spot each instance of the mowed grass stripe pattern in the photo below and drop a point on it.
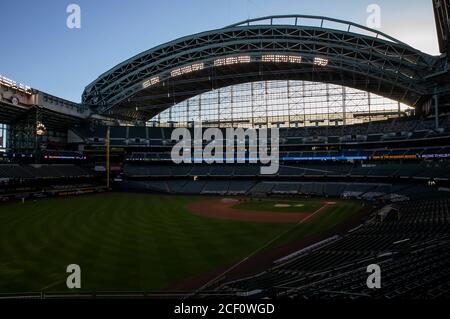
(127, 241)
(121, 242)
(324, 222)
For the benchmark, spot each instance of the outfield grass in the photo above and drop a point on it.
(297, 206)
(128, 241)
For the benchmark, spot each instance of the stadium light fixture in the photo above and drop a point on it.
(232, 60)
(150, 82)
(187, 69)
(279, 58)
(320, 61)
(15, 85)
(40, 129)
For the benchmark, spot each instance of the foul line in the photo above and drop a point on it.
(258, 250)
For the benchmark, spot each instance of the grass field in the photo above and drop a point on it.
(129, 241)
(282, 205)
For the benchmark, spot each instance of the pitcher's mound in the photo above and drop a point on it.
(282, 205)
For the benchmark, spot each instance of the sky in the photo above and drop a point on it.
(38, 49)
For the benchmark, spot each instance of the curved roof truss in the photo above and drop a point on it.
(301, 47)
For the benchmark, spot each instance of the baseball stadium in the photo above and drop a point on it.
(359, 122)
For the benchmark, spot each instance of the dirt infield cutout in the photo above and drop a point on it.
(223, 209)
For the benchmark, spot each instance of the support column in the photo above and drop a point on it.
(232, 105)
(344, 106)
(289, 102)
(252, 104)
(218, 108)
(200, 108)
(303, 103)
(108, 136)
(266, 101)
(436, 110)
(187, 112)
